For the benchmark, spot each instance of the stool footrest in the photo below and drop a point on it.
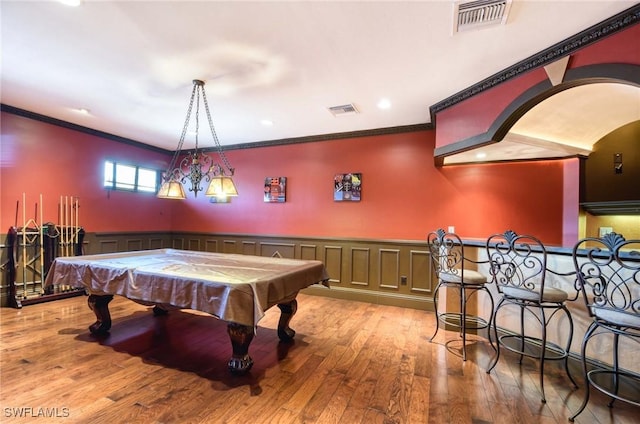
(604, 380)
(454, 319)
(532, 347)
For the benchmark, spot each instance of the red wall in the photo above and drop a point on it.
(38, 158)
(404, 195)
(571, 201)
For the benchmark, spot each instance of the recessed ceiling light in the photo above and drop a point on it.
(481, 155)
(267, 122)
(384, 104)
(83, 111)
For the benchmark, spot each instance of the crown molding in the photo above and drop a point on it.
(589, 36)
(68, 125)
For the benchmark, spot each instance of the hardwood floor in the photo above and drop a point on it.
(351, 362)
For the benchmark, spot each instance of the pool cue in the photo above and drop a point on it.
(66, 225)
(60, 215)
(77, 207)
(41, 232)
(24, 245)
(15, 265)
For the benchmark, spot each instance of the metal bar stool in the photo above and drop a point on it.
(608, 271)
(518, 266)
(449, 261)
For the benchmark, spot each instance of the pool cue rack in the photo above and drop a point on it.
(33, 248)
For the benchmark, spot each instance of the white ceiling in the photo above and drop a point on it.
(131, 64)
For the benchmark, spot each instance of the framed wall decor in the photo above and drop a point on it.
(347, 187)
(275, 189)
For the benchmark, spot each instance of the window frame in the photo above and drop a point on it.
(112, 182)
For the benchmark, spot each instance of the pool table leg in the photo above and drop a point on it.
(241, 337)
(287, 311)
(100, 306)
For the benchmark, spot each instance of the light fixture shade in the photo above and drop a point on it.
(171, 190)
(221, 186)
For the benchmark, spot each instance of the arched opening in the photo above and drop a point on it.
(565, 120)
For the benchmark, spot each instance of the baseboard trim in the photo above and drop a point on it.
(375, 297)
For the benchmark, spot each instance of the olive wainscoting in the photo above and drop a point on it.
(389, 272)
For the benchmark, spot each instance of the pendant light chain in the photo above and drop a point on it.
(174, 160)
(215, 135)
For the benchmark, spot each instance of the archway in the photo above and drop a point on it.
(559, 121)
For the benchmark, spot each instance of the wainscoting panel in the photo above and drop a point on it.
(285, 250)
(156, 243)
(309, 252)
(389, 268)
(420, 271)
(134, 244)
(248, 247)
(229, 246)
(177, 243)
(360, 266)
(333, 263)
(108, 246)
(211, 246)
(194, 244)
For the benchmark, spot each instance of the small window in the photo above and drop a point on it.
(129, 177)
(147, 180)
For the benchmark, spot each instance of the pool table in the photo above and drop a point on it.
(235, 288)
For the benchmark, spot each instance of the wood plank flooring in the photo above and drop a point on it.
(351, 362)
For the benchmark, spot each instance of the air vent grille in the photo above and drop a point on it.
(479, 13)
(348, 109)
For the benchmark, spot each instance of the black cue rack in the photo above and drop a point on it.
(34, 253)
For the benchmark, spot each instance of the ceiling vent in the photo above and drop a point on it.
(479, 13)
(342, 110)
